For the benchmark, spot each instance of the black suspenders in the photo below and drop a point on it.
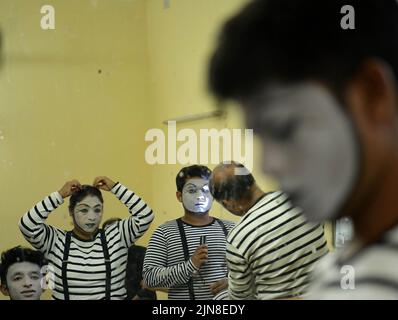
(186, 251)
(65, 263)
(224, 229)
(107, 265)
(186, 255)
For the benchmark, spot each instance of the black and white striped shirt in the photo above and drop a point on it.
(272, 250)
(165, 265)
(369, 274)
(86, 264)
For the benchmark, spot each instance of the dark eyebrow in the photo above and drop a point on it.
(86, 205)
(17, 274)
(189, 184)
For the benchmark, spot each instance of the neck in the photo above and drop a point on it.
(82, 234)
(256, 194)
(197, 219)
(379, 213)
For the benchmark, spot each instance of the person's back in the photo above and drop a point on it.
(273, 249)
(278, 247)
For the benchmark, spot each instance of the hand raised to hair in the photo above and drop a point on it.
(69, 187)
(103, 183)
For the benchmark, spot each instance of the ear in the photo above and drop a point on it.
(371, 94)
(179, 196)
(4, 290)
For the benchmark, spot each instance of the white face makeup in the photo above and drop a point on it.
(88, 214)
(309, 146)
(24, 281)
(196, 195)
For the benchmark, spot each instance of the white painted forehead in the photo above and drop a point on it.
(274, 93)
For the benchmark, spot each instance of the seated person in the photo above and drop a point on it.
(21, 273)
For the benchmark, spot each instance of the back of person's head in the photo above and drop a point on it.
(16, 255)
(290, 41)
(194, 171)
(227, 185)
(83, 192)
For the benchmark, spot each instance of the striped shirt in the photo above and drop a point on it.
(165, 265)
(86, 270)
(371, 273)
(272, 250)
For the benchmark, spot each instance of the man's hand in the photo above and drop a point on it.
(219, 286)
(200, 256)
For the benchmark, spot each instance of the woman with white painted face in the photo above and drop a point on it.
(88, 263)
(187, 255)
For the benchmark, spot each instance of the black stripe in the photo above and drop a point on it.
(142, 208)
(129, 198)
(285, 290)
(269, 201)
(32, 220)
(298, 268)
(123, 193)
(52, 203)
(38, 234)
(44, 206)
(38, 213)
(118, 188)
(249, 214)
(134, 204)
(284, 245)
(31, 231)
(275, 228)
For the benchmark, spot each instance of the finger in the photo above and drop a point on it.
(96, 180)
(201, 248)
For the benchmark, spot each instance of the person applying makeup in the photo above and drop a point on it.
(187, 255)
(88, 263)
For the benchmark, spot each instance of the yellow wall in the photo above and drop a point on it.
(77, 101)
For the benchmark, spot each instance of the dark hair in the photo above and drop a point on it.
(236, 186)
(191, 172)
(19, 254)
(85, 190)
(295, 40)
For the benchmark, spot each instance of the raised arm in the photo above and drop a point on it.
(32, 224)
(141, 215)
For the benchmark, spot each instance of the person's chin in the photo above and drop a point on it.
(30, 296)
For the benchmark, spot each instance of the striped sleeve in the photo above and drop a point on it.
(141, 215)
(156, 271)
(240, 277)
(33, 227)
